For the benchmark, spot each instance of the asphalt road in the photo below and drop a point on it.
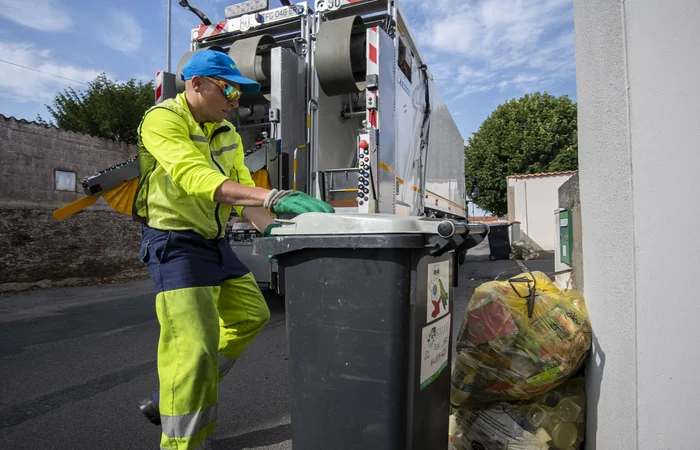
(74, 364)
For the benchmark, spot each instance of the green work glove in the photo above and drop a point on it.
(269, 229)
(267, 233)
(294, 202)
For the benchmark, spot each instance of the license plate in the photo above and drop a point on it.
(246, 22)
(333, 5)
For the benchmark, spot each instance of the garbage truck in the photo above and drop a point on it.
(348, 112)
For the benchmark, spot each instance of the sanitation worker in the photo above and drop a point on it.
(208, 303)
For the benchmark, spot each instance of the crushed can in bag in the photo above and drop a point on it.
(553, 420)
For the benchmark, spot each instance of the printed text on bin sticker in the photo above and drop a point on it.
(435, 347)
(438, 290)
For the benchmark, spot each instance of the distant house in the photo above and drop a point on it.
(532, 200)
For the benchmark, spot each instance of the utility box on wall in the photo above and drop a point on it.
(563, 247)
(566, 236)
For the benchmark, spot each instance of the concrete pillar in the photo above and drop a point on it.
(638, 83)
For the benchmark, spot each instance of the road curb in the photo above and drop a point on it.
(522, 265)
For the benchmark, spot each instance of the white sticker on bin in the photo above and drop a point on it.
(438, 299)
(435, 347)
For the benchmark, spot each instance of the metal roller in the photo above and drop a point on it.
(252, 56)
(179, 82)
(341, 56)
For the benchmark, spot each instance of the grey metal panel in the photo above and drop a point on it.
(312, 110)
(256, 160)
(410, 113)
(336, 139)
(443, 156)
(169, 85)
(445, 169)
(259, 265)
(387, 138)
(288, 94)
(111, 177)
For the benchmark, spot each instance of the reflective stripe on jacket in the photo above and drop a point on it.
(181, 165)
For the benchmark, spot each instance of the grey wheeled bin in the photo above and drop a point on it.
(369, 325)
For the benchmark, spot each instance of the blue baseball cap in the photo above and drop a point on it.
(213, 63)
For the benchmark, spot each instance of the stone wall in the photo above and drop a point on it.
(87, 248)
(95, 245)
(31, 153)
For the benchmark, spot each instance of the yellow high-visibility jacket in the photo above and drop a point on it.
(181, 165)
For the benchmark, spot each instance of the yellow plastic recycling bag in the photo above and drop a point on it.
(519, 338)
(553, 420)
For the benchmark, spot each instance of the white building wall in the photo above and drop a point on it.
(520, 199)
(536, 199)
(638, 82)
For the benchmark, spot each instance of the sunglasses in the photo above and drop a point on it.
(230, 92)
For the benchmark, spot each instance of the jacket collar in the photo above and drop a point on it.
(207, 127)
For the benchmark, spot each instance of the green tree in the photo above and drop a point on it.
(536, 133)
(107, 109)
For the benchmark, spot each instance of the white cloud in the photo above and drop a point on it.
(474, 88)
(457, 35)
(466, 74)
(521, 81)
(145, 77)
(44, 15)
(442, 71)
(497, 44)
(524, 78)
(122, 32)
(26, 85)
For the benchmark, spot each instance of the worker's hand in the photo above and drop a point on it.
(294, 202)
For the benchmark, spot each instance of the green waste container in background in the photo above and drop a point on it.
(369, 302)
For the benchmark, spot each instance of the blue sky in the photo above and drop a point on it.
(482, 53)
(489, 51)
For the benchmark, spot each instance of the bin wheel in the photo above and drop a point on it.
(492, 257)
(462, 258)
